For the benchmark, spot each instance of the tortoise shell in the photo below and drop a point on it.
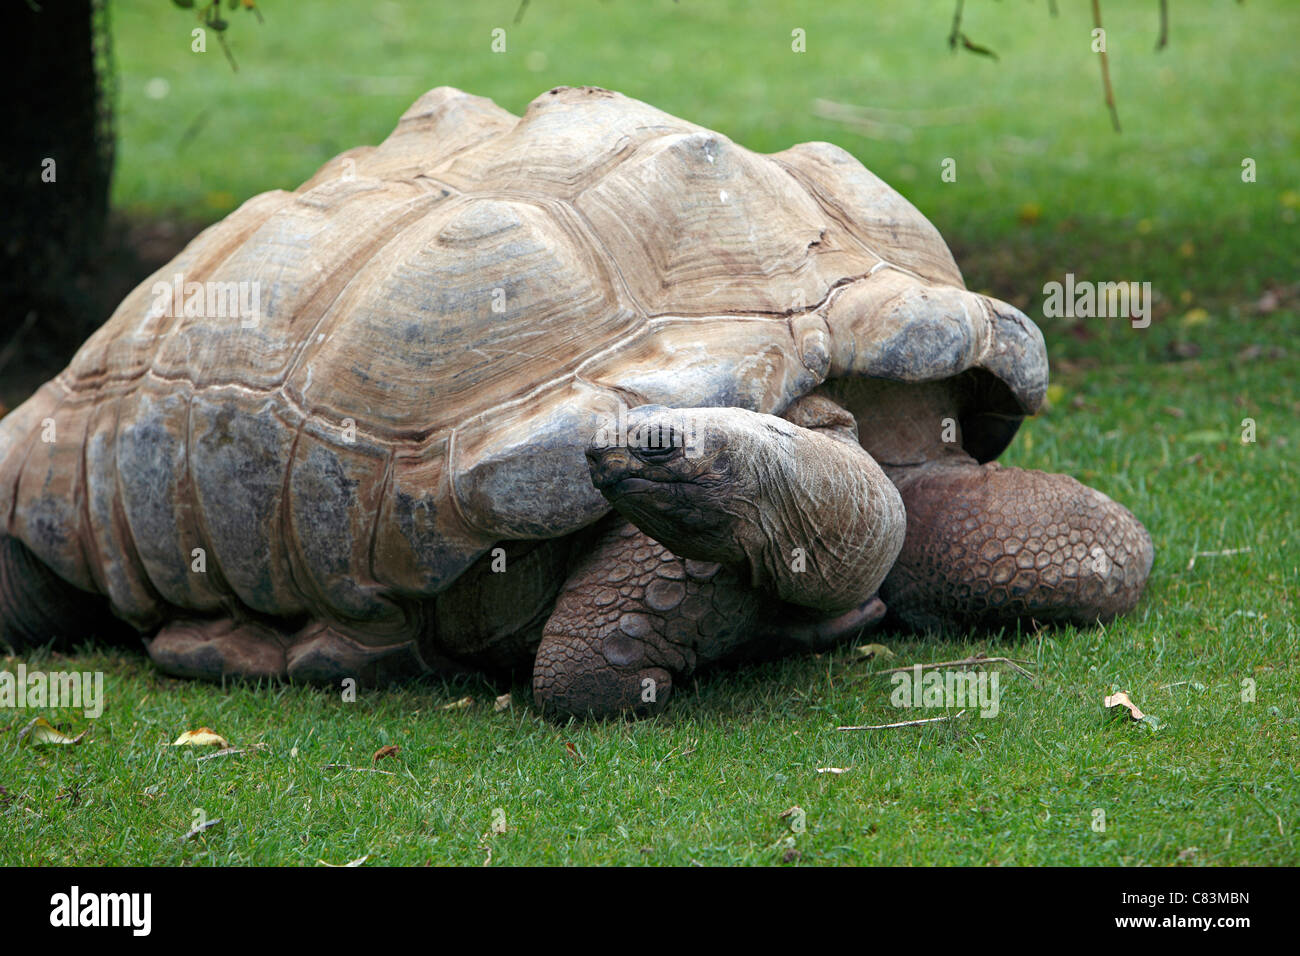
(442, 322)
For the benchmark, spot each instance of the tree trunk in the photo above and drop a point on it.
(56, 162)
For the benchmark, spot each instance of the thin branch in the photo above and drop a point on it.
(1105, 67)
(1163, 40)
(1014, 662)
(905, 723)
(227, 752)
(1215, 554)
(341, 766)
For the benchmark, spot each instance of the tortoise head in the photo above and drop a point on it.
(672, 472)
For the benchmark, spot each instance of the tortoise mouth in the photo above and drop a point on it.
(619, 471)
(630, 486)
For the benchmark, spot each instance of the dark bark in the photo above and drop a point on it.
(59, 109)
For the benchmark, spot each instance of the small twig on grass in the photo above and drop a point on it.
(673, 753)
(1267, 809)
(228, 752)
(1214, 554)
(200, 828)
(977, 659)
(342, 766)
(905, 723)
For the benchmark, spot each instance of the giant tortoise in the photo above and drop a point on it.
(593, 390)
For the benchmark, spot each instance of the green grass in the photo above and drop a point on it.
(1152, 417)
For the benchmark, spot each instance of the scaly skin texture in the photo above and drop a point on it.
(988, 546)
(621, 619)
(632, 620)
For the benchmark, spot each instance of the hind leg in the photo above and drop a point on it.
(37, 607)
(988, 546)
(213, 649)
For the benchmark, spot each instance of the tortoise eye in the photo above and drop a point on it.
(660, 443)
(659, 451)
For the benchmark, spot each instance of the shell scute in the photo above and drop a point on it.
(240, 447)
(466, 311)
(566, 139)
(699, 226)
(866, 206)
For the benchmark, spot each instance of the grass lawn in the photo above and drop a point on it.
(1153, 417)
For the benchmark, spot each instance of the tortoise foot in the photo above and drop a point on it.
(219, 648)
(318, 653)
(634, 620)
(321, 654)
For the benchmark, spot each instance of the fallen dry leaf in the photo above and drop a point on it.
(388, 750)
(791, 812)
(573, 751)
(202, 737)
(458, 704)
(833, 769)
(502, 703)
(351, 863)
(40, 732)
(1121, 699)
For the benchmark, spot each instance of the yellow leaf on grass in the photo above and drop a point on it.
(868, 651)
(202, 737)
(41, 732)
(1121, 699)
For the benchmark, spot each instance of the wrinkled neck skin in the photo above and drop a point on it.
(817, 521)
(908, 429)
